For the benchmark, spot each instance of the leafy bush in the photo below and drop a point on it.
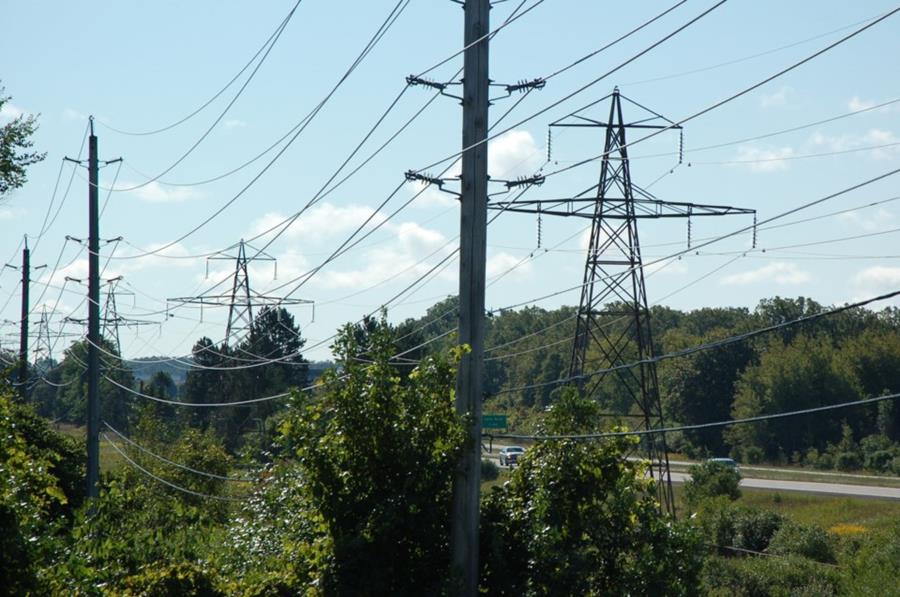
(377, 453)
(879, 461)
(711, 479)
(763, 576)
(874, 569)
(847, 461)
(489, 470)
(752, 454)
(803, 540)
(184, 579)
(754, 529)
(577, 518)
(728, 525)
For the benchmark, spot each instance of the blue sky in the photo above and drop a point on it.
(142, 67)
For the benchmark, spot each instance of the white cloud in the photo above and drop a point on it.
(759, 159)
(7, 213)
(155, 192)
(319, 223)
(880, 220)
(513, 154)
(878, 276)
(780, 273)
(872, 137)
(874, 280)
(500, 263)
(778, 99)
(71, 114)
(672, 267)
(10, 112)
(856, 103)
(234, 123)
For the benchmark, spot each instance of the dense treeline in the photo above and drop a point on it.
(843, 357)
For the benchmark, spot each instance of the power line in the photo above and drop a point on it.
(583, 87)
(642, 432)
(165, 482)
(276, 32)
(732, 97)
(219, 118)
(706, 346)
(378, 35)
(177, 464)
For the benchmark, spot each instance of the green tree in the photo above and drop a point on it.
(15, 148)
(115, 401)
(712, 479)
(803, 374)
(578, 518)
(377, 455)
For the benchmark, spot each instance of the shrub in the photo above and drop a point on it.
(803, 540)
(754, 529)
(711, 479)
(728, 525)
(764, 576)
(489, 470)
(752, 454)
(879, 460)
(174, 579)
(847, 461)
(895, 465)
(874, 569)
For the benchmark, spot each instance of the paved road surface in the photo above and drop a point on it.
(811, 487)
(868, 491)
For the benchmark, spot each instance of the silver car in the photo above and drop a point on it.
(510, 454)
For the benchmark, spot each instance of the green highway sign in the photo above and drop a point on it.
(493, 421)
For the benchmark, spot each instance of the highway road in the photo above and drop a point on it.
(813, 487)
(869, 491)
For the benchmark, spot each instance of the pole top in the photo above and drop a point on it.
(91, 122)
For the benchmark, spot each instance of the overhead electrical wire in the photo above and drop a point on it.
(203, 106)
(678, 428)
(705, 346)
(164, 481)
(221, 115)
(391, 19)
(728, 99)
(184, 467)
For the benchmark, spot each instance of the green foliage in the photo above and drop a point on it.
(40, 484)
(768, 577)
(803, 374)
(184, 579)
(577, 518)
(873, 570)
(489, 470)
(711, 479)
(70, 403)
(809, 541)
(15, 149)
(377, 453)
(728, 525)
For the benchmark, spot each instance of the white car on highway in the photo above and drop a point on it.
(510, 454)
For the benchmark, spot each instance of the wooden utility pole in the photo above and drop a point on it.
(22, 377)
(93, 338)
(473, 240)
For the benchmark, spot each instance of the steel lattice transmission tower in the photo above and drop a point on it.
(613, 319)
(242, 299)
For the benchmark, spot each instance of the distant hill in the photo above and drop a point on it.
(146, 367)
